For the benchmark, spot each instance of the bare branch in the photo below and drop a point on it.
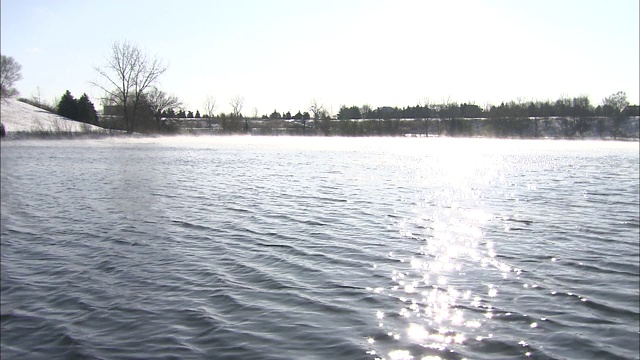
(160, 101)
(317, 109)
(128, 74)
(9, 74)
(210, 106)
(236, 103)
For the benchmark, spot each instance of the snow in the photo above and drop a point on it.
(17, 117)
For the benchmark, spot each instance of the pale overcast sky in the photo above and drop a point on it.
(281, 54)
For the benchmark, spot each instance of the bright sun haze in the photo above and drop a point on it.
(282, 54)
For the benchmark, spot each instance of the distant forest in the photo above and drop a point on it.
(562, 118)
(132, 103)
(137, 105)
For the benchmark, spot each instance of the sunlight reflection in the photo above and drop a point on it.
(417, 332)
(439, 308)
(473, 324)
(400, 355)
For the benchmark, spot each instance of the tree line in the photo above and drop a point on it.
(577, 106)
(132, 102)
(129, 96)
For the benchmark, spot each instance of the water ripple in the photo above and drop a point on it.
(267, 248)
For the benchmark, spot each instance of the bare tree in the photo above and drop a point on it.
(364, 111)
(128, 74)
(9, 74)
(317, 109)
(210, 108)
(37, 96)
(236, 103)
(160, 101)
(617, 101)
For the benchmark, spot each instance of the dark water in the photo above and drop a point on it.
(319, 248)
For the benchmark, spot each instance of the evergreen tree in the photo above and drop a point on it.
(344, 113)
(86, 111)
(68, 106)
(275, 115)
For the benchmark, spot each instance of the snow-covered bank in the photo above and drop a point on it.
(20, 118)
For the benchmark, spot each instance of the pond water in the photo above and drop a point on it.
(319, 248)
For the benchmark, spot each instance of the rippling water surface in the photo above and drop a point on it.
(319, 248)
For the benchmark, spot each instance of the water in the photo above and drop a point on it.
(319, 248)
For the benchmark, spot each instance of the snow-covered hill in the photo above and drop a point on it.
(18, 117)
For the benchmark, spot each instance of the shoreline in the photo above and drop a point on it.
(19, 135)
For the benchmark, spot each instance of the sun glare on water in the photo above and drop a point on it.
(436, 286)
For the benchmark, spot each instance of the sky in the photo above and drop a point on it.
(283, 54)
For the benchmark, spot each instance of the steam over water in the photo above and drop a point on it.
(319, 248)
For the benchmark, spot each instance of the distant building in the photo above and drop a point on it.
(386, 110)
(111, 110)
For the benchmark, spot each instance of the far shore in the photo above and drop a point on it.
(98, 135)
